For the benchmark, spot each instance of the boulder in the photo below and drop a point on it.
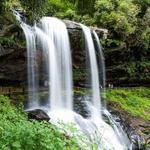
(38, 114)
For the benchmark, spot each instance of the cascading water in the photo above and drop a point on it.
(57, 33)
(49, 52)
(32, 67)
(118, 130)
(101, 60)
(53, 38)
(94, 72)
(50, 36)
(96, 108)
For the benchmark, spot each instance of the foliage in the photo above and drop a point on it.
(38, 8)
(35, 8)
(79, 74)
(61, 6)
(7, 41)
(128, 23)
(136, 101)
(148, 147)
(16, 132)
(5, 5)
(118, 16)
(113, 43)
(81, 91)
(85, 7)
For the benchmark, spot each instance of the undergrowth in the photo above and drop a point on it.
(19, 133)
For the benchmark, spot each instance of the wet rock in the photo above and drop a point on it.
(80, 105)
(38, 114)
(13, 67)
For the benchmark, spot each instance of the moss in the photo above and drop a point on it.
(7, 41)
(81, 91)
(135, 101)
(79, 74)
(148, 147)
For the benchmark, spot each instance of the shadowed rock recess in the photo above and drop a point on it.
(13, 58)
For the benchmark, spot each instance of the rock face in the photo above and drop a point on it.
(13, 68)
(102, 33)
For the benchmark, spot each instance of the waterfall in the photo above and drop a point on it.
(95, 106)
(32, 65)
(117, 128)
(33, 99)
(50, 37)
(61, 80)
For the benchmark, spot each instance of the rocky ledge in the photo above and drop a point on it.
(13, 58)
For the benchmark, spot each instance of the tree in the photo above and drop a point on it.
(35, 8)
(84, 7)
(117, 16)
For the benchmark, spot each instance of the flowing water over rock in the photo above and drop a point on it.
(50, 37)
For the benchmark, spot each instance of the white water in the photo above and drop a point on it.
(118, 131)
(51, 36)
(49, 51)
(117, 128)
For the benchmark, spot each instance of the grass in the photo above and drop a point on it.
(135, 101)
